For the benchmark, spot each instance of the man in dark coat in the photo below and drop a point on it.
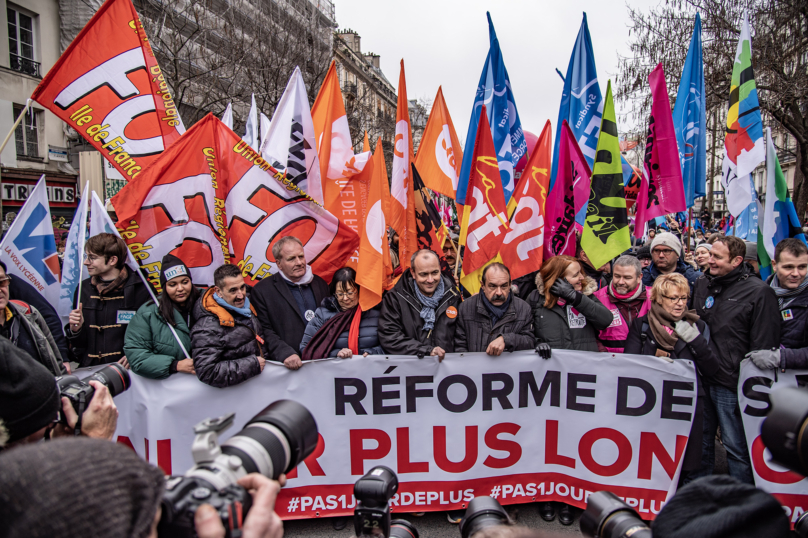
(666, 256)
(109, 299)
(420, 312)
(790, 284)
(494, 320)
(226, 339)
(743, 316)
(286, 302)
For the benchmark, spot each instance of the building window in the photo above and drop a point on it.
(27, 133)
(21, 43)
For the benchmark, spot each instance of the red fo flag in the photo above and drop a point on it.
(211, 199)
(108, 87)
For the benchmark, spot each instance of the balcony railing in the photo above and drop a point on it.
(25, 65)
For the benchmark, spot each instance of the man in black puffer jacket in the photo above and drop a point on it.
(226, 341)
(494, 320)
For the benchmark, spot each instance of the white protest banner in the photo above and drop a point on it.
(754, 386)
(516, 427)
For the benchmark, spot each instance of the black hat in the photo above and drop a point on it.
(172, 267)
(718, 506)
(644, 253)
(29, 397)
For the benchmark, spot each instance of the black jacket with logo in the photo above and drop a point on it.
(794, 331)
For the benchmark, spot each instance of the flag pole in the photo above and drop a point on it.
(8, 137)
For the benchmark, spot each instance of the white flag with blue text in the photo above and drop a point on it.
(73, 270)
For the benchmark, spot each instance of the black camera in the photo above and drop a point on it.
(372, 513)
(785, 428)
(80, 392)
(482, 512)
(606, 516)
(274, 442)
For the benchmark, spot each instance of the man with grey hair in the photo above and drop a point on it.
(627, 298)
(419, 314)
(286, 301)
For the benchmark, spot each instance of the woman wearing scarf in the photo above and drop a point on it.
(673, 332)
(339, 328)
(150, 344)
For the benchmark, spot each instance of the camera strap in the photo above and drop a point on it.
(80, 411)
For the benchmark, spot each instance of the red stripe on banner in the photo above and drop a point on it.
(794, 505)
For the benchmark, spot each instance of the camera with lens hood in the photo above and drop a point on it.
(607, 516)
(372, 513)
(272, 443)
(481, 513)
(80, 392)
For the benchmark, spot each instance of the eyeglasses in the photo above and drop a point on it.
(675, 300)
(5, 282)
(91, 257)
(663, 251)
(342, 295)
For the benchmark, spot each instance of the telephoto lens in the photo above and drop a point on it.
(801, 526)
(784, 430)
(80, 392)
(401, 528)
(606, 516)
(482, 512)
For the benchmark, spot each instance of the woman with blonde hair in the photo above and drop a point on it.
(673, 332)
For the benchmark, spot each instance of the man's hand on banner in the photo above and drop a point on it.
(438, 352)
(345, 353)
(544, 350)
(186, 366)
(496, 347)
(123, 361)
(293, 362)
(261, 521)
(765, 359)
(76, 319)
(261, 362)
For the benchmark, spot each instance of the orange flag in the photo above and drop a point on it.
(484, 218)
(365, 144)
(403, 201)
(375, 268)
(522, 248)
(440, 154)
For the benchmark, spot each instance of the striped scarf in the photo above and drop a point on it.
(785, 295)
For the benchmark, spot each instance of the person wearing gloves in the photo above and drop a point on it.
(566, 315)
(339, 328)
(790, 284)
(671, 331)
(150, 345)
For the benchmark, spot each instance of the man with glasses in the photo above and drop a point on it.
(667, 258)
(494, 320)
(25, 327)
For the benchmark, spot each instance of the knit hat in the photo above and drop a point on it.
(706, 245)
(172, 267)
(77, 487)
(751, 251)
(29, 397)
(718, 506)
(669, 240)
(644, 253)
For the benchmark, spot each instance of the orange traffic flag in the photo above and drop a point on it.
(439, 153)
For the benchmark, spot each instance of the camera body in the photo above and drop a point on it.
(372, 513)
(80, 392)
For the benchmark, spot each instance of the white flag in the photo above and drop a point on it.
(251, 129)
(227, 116)
(737, 191)
(265, 124)
(73, 270)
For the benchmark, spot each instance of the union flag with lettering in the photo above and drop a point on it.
(108, 87)
(211, 199)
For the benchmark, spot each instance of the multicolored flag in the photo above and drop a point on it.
(108, 87)
(29, 248)
(494, 91)
(690, 121)
(606, 234)
(210, 199)
(73, 270)
(522, 248)
(431, 230)
(662, 190)
(439, 155)
(567, 197)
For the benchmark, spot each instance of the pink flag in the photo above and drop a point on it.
(662, 190)
(568, 195)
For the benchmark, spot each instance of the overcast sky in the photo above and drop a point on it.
(445, 42)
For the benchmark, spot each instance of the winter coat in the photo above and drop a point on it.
(282, 322)
(650, 274)
(368, 329)
(743, 315)
(474, 330)
(641, 342)
(30, 332)
(613, 337)
(25, 292)
(150, 346)
(401, 327)
(794, 331)
(552, 325)
(224, 345)
(106, 316)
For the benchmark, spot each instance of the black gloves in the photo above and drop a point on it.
(563, 289)
(543, 349)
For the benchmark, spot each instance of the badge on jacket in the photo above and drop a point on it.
(575, 320)
(124, 317)
(709, 302)
(787, 315)
(309, 315)
(617, 321)
(451, 312)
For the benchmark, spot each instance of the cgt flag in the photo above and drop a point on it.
(522, 248)
(29, 248)
(439, 154)
(108, 87)
(606, 232)
(210, 199)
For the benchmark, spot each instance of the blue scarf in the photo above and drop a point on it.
(496, 312)
(429, 304)
(244, 311)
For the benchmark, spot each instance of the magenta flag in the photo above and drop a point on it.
(661, 190)
(569, 194)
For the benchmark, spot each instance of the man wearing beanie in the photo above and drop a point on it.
(644, 255)
(666, 258)
(752, 257)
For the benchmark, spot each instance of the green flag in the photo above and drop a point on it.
(606, 234)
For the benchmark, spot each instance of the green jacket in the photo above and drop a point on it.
(150, 347)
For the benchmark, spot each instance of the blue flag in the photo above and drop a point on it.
(746, 224)
(494, 91)
(690, 121)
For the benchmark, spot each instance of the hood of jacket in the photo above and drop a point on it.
(590, 285)
(211, 307)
